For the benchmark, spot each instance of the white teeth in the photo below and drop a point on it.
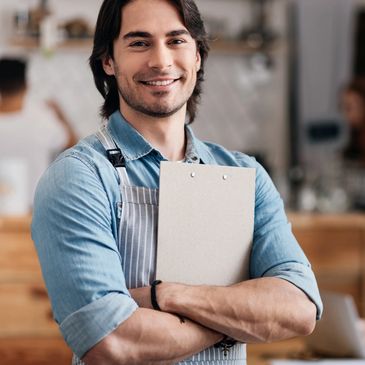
(160, 83)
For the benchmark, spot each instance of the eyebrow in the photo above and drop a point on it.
(142, 34)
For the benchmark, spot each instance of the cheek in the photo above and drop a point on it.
(187, 60)
(127, 68)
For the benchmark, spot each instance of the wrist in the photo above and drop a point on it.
(169, 297)
(161, 296)
(164, 295)
(154, 301)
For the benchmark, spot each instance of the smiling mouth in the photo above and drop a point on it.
(159, 82)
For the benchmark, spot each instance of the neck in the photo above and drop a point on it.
(11, 103)
(167, 135)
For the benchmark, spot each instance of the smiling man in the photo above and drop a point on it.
(95, 213)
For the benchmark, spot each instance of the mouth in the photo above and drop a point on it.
(160, 83)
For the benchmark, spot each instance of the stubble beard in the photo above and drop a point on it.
(158, 110)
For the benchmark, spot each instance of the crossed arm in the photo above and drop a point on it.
(254, 311)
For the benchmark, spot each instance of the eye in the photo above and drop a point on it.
(177, 41)
(139, 44)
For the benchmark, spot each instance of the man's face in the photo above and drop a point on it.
(155, 59)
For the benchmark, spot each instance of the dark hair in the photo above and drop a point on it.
(107, 30)
(12, 75)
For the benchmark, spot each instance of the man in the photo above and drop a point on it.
(30, 132)
(95, 220)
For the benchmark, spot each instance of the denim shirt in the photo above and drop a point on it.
(75, 225)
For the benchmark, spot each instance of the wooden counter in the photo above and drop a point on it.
(28, 333)
(335, 245)
(309, 221)
(15, 224)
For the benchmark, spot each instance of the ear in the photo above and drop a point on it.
(198, 61)
(108, 65)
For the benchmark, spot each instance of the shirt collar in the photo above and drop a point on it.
(134, 146)
(196, 150)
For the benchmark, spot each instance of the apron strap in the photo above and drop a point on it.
(114, 155)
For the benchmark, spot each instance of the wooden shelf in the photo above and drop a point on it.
(32, 43)
(240, 47)
(217, 46)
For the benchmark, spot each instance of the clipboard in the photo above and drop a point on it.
(205, 224)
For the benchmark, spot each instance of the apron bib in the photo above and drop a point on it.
(137, 242)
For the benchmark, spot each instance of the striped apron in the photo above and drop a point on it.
(137, 239)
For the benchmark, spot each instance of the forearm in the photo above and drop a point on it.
(151, 337)
(72, 138)
(71, 134)
(260, 310)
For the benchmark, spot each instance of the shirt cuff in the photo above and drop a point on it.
(302, 277)
(86, 327)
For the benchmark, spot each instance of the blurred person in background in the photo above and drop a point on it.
(353, 106)
(30, 132)
(352, 99)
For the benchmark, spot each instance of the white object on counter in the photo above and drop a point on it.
(13, 187)
(49, 35)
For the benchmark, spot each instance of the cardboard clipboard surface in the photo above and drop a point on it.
(205, 226)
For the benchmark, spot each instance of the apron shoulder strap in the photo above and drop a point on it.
(114, 154)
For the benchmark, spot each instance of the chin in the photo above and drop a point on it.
(160, 113)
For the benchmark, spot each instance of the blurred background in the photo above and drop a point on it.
(284, 83)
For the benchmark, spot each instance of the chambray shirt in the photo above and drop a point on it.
(75, 230)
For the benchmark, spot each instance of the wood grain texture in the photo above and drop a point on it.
(18, 258)
(335, 245)
(15, 224)
(25, 311)
(34, 351)
(309, 221)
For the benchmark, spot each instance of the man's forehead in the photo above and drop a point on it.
(155, 17)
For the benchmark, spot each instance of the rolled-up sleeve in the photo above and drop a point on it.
(275, 251)
(81, 265)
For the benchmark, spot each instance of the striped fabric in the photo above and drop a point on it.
(76, 361)
(138, 235)
(137, 246)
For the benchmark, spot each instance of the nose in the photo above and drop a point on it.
(160, 57)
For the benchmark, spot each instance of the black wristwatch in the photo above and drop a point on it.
(153, 295)
(154, 301)
(226, 344)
